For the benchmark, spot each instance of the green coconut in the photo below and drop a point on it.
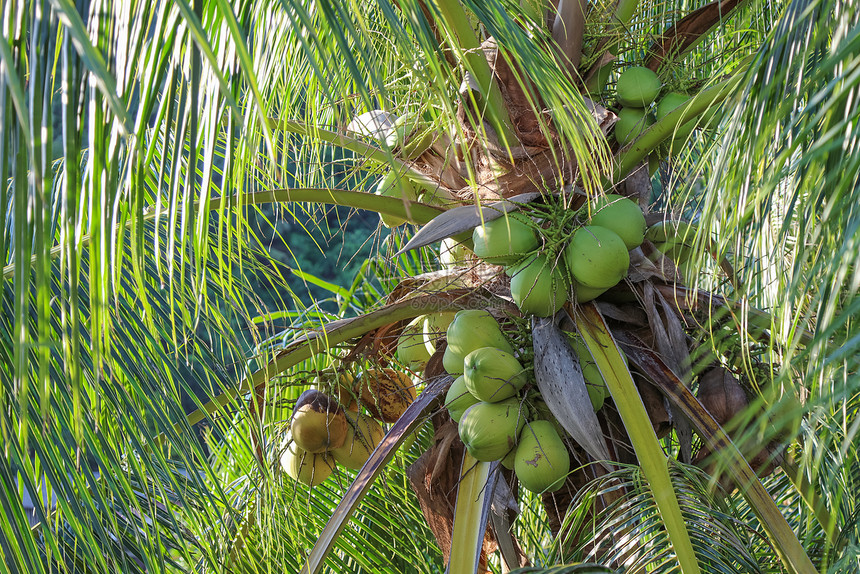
(669, 103)
(493, 375)
(411, 350)
(410, 135)
(459, 399)
(597, 82)
(637, 87)
(539, 286)
(362, 436)
(509, 459)
(622, 216)
(505, 240)
(393, 185)
(673, 238)
(631, 123)
(490, 430)
(434, 327)
(541, 411)
(472, 329)
(583, 294)
(453, 362)
(597, 257)
(594, 382)
(542, 461)
(306, 467)
(318, 423)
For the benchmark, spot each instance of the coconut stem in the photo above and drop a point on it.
(464, 37)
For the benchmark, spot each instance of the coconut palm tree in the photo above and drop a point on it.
(152, 352)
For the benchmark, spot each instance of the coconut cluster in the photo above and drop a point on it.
(330, 426)
(487, 403)
(594, 258)
(638, 93)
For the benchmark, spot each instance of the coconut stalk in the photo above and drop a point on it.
(568, 29)
(474, 495)
(456, 22)
(596, 336)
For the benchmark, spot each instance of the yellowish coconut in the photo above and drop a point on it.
(411, 350)
(306, 467)
(362, 436)
(318, 422)
(338, 384)
(386, 393)
(434, 327)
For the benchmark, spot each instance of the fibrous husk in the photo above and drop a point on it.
(386, 393)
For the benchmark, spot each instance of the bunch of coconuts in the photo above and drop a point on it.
(325, 431)
(485, 401)
(593, 257)
(636, 90)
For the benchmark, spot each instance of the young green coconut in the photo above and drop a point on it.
(594, 382)
(637, 87)
(631, 123)
(597, 257)
(583, 294)
(542, 461)
(621, 215)
(319, 423)
(471, 329)
(539, 286)
(411, 136)
(458, 399)
(452, 253)
(393, 185)
(669, 103)
(493, 375)
(490, 430)
(362, 437)
(505, 240)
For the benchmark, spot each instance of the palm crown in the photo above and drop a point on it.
(148, 382)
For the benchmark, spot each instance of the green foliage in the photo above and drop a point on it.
(144, 278)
